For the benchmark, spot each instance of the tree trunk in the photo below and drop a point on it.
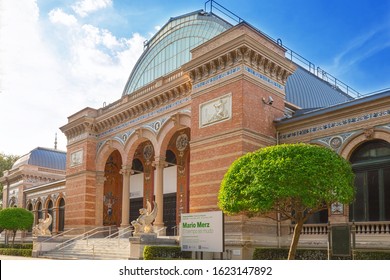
(294, 242)
(13, 238)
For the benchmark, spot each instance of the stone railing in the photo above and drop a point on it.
(311, 229)
(372, 227)
(361, 228)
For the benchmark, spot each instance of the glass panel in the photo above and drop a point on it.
(386, 193)
(61, 215)
(357, 211)
(170, 48)
(320, 217)
(371, 150)
(373, 195)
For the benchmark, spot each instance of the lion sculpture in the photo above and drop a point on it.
(143, 224)
(42, 228)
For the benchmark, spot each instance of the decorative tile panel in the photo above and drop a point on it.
(341, 123)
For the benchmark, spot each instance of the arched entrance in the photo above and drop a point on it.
(176, 180)
(142, 178)
(371, 164)
(112, 194)
(170, 192)
(136, 188)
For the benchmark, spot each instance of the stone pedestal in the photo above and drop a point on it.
(40, 245)
(139, 241)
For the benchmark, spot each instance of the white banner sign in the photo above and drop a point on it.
(202, 232)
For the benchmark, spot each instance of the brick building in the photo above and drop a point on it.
(203, 93)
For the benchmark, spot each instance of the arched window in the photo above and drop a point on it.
(61, 215)
(137, 166)
(39, 211)
(170, 157)
(371, 165)
(50, 211)
(29, 208)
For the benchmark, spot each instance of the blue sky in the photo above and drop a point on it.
(57, 57)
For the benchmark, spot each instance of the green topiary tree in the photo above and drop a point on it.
(15, 219)
(295, 180)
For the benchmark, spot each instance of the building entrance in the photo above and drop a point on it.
(112, 195)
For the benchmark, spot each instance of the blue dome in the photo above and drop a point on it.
(43, 157)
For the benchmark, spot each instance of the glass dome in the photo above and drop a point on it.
(170, 47)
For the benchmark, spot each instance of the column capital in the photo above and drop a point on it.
(159, 162)
(126, 170)
(100, 177)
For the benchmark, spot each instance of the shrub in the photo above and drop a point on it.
(18, 246)
(372, 255)
(16, 252)
(316, 254)
(164, 252)
(282, 254)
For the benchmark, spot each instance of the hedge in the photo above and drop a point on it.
(315, 254)
(16, 252)
(18, 246)
(164, 253)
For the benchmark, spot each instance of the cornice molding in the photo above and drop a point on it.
(136, 109)
(276, 70)
(129, 108)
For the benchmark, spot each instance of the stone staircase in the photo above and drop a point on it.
(92, 249)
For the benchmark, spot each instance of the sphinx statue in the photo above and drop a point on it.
(143, 224)
(42, 228)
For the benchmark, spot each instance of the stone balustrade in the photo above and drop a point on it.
(361, 228)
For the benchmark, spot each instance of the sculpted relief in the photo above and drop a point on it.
(216, 110)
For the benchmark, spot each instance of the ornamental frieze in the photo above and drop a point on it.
(122, 138)
(143, 117)
(341, 123)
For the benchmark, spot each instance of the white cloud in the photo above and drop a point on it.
(84, 7)
(59, 16)
(360, 48)
(50, 72)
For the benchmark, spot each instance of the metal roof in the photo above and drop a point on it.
(43, 157)
(317, 112)
(306, 90)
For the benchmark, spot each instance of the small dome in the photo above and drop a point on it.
(43, 157)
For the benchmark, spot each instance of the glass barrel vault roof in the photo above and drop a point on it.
(170, 47)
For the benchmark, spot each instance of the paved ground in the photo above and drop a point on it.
(3, 257)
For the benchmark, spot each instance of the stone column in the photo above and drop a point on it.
(55, 220)
(160, 164)
(100, 179)
(125, 171)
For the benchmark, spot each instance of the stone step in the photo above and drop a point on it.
(93, 249)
